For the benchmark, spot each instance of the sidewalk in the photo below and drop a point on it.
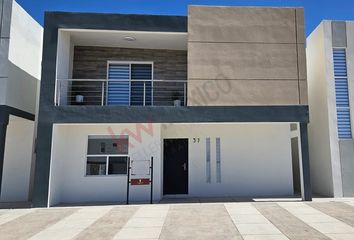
(320, 219)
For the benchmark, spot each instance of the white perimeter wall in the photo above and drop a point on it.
(17, 163)
(25, 55)
(319, 62)
(255, 161)
(255, 158)
(68, 183)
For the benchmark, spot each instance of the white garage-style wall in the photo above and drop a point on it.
(17, 160)
(255, 158)
(255, 161)
(68, 183)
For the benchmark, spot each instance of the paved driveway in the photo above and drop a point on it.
(249, 221)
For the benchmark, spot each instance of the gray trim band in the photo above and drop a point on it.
(208, 163)
(115, 114)
(306, 176)
(3, 128)
(5, 111)
(129, 22)
(218, 159)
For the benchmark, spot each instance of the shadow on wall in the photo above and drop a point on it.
(21, 89)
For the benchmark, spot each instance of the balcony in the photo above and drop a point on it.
(121, 92)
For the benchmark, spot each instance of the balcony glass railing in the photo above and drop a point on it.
(121, 92)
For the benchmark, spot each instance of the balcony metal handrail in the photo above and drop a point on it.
(161, 92)
(105, 80)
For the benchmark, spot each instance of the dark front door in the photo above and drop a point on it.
(175, 166)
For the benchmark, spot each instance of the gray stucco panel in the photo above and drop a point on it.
(346, 148)
(339, 34)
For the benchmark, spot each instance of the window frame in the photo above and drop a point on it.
(335, 94)
(130, 63)
(104, 155)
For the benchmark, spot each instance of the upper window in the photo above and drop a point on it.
(342, 94)
(129, 84)
(107, 155)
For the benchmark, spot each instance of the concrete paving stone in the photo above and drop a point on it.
(150, 213)
(202, 232)
(341, 236)
(198, 213)
(189, 216)
(55, 234)
(308, 237)
(317, 218)
(257, 229)
(338, 227)
(242, 208)
(138, 233)
(265, 237)
(199, 210)
(302, 210)
(72, 225)
(291, 226)
(321, 220)
(109, 225)
(184, 221)
(244, 218)
(199, 222)
(143, 222)
(10, 215)
(299, 211)
(3, 211)
(338, 210)
(156, 206)
(30, 224)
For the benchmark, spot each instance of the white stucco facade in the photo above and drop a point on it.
(21, 54)
(18, 160)
(255, 161)
(20, 73)
(329, 156)
(68, 183)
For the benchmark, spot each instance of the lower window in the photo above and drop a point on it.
(106, 165)
(107, 155)
(117, 165)
(96, 166)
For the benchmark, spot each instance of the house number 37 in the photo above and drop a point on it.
(196, 140)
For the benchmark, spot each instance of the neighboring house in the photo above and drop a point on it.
(330, 51)
(20, 68)
(218, 99)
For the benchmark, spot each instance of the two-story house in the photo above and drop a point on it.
(20, 69)
(330, 49)
(217, 99)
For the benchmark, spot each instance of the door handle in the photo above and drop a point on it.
(184, 166)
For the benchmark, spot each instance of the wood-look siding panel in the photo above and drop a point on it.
(91, 62)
